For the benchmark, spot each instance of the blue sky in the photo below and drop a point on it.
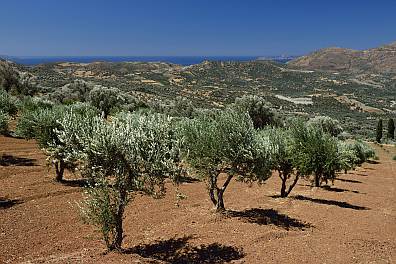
(192, 27)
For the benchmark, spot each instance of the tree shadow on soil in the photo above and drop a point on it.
(187, 179)
(331, 202)
(178, 251)
(7, 203)
(9, 160)
(360, 174)
(269, 217)
(75, 183)
(373, 162)
(335, 189)
(347, 180)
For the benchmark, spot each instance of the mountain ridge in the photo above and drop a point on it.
(334, 59)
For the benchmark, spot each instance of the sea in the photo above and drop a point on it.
(181, 60)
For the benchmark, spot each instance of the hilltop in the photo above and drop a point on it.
(376, 60)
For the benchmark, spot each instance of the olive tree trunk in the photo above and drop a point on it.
(59, 170)
(119, 231)
(216, 194)
(317, 180)
(284, 191)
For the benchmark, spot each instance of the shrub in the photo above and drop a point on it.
(225, 142)
(131, 155)
(327, 124)
(259, 110)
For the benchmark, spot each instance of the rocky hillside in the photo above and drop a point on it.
(376, 60)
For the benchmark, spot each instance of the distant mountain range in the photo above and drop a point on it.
(377, 60)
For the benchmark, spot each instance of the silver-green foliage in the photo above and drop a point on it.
(105, 99)
(259, 110)
(347, 157)
(225, 141)
(8, 103)
(283, 157)
(135, 153)
(29, 103)
(363, 151)
(3, 123)
(43, 124)
(40, 124)
(315, 153)
(327, 124)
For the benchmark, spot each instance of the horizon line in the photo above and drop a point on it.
(104, 56)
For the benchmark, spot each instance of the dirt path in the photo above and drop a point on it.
(352, 222)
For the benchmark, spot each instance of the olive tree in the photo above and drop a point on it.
(327, 124)
(225, 142)
(29, 103)
(259, 110)
(76, 91)
(3, 123)
(105, 99)
(8, 108)
(347, 157)
(8, 103)
(16, 82)
(362, 151)
(43, 125)
(129, 155)
(315, 153)
(282, 156)
(9, 78)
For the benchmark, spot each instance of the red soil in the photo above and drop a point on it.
(353, 222)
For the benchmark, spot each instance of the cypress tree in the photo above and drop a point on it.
(391, 129)
(379, 131)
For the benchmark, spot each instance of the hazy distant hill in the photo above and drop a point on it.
(376, 60)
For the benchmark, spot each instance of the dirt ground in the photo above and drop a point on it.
(354, 221)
